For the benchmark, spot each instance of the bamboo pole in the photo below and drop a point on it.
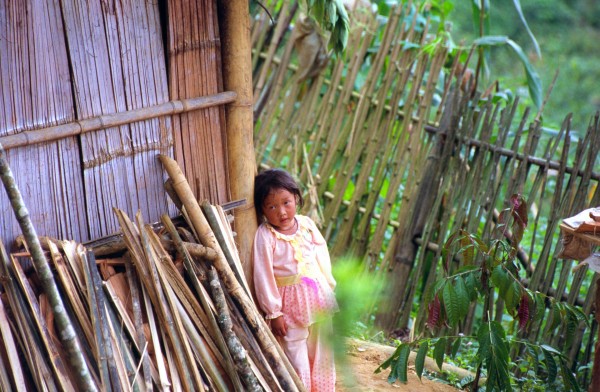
(41, 135)
(235, 347)
(67, 333)
(237, 76)
(204, 301)
(273, 352)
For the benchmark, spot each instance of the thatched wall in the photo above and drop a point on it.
(63, 62)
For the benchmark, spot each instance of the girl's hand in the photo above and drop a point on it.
(278, 326)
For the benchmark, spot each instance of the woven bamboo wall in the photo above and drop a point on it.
(73, 60)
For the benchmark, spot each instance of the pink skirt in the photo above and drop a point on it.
(307, 302)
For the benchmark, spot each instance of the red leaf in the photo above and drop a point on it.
(523, 312)
(434, 309)
(519, 209)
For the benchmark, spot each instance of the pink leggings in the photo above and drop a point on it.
(310, 351)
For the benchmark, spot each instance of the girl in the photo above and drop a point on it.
(293, 280)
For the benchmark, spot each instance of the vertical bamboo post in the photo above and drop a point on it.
(236, 47)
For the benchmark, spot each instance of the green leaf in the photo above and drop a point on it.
(512, 296)
(388, 362)
(579, 314)
(571, 327)
(522, 17)
(420, 358)
(551, 367)
(399, 366)
(455, 347)
(494, 353)
(534, 81)
(463, 298)
(540, 307)
(471, 282)
(439, 349)
(500, 279)
(568, 378)
(451, 303)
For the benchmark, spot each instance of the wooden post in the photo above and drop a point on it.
(236, 47)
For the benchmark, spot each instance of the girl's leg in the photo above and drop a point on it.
(320, 354)
(295, 347)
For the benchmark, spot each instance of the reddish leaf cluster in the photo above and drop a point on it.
(523, 313)
(434, 309)
(519, 209)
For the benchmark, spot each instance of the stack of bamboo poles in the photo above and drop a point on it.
(161, 308)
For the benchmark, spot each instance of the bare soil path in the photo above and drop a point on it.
(359, 373)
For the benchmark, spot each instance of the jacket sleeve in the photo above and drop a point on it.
(322, 253)
(265, 285)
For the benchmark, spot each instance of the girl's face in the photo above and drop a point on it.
(279, 208)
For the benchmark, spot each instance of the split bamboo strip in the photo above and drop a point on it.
(24, 325)
(13, 365)
(102, 347)
(179, 293)
(204, 301)
(57, 132)
(125, 364)
(207, 238)
(176, 347)
(147, 296)
(57, 363)
(214, 218)
(140, 339)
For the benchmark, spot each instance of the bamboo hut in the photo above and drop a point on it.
(93, 91)
(100, 103)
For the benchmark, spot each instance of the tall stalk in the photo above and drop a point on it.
(67, 333)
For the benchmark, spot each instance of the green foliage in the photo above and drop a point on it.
(534, 82)
(568, 36)
(493, 352)
(332, 17)
(489, 272)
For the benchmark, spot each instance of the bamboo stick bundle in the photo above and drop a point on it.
(8, 337)
(288, 379)
(204, 300)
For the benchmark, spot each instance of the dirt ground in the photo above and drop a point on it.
(362, 360)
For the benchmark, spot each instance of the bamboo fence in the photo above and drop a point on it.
(395, 156)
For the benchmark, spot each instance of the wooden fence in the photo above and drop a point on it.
(396, 154)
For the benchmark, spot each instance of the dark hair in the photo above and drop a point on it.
(269, 180)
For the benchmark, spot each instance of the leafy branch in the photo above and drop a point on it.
(332, 17)
(489, 271)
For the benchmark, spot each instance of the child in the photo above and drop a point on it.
(293, 280)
